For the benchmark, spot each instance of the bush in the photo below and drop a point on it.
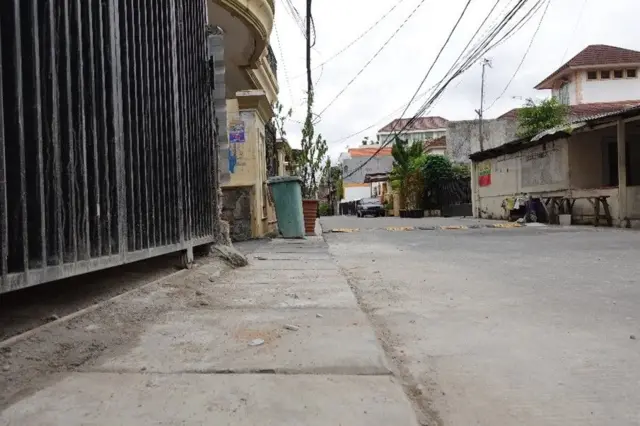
(324, 208)
(435, 169)
(535, 118)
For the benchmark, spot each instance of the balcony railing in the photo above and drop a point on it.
(273, 62)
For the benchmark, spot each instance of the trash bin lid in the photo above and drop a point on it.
(283, 179)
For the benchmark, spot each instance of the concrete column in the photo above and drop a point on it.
(622, 172)
(474, 189)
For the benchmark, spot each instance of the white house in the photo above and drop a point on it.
(599, 73)
(590, 167)
(422, 129)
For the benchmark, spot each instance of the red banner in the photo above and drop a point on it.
(484, 180)
(484, 174)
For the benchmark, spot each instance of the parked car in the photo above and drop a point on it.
(369, 207)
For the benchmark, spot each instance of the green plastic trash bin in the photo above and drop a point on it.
(287, 195)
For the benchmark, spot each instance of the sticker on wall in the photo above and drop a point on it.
(237, 132)
(484, 174)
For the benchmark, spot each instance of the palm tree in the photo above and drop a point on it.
(406, 174)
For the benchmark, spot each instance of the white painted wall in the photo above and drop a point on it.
(571, 89)
(612, 90)
(355, 193)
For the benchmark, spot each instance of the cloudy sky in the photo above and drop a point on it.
(388, 83)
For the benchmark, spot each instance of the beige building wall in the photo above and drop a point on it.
(252, 110)
(577, 167)
(540, 169)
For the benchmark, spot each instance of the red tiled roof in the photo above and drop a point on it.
(585, 110)
(368, 151)
(595, 55)
(440, 142)
(421, 123)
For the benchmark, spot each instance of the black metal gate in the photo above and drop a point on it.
(106, 135)
(451, 196)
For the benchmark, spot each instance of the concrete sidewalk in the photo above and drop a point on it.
(279, 342)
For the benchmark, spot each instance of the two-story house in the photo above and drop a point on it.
(421, 130)
(598, 74)
(593, 160)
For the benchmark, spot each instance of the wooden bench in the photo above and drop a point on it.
(556, 205)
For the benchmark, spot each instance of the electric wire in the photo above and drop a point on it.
(524, 57)
(480, 49)
(395, 33)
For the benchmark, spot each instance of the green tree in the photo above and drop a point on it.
(311, 160)
(435, 169)
(534, 118)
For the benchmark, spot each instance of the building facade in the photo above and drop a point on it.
(599, 73)
(591, 161)
(356, 164)
(251, 89)
(421, 130)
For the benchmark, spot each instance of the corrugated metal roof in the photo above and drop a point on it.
(555, 133)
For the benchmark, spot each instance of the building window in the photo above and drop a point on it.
(605, 75)
(618, 74)
(563, 94)
(632, 73)
(592, 75)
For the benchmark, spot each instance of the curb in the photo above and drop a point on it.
(426, 228)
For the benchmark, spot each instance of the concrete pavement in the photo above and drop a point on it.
(527, 327)
(280, 342)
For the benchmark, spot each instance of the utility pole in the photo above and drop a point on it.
(485, 63)
(309, 80)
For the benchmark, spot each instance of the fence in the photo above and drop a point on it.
(452, 197)
(106, 135)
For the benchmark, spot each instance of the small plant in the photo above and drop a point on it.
(324, 208)
(461, 171)
(311, 159)
(535, 118)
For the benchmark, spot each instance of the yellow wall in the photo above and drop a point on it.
(250, 169)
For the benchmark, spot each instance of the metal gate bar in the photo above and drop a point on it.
(106, 135)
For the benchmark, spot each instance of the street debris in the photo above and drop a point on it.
(52, 317)
(291, 327)
(256, 342)
(295, 296)
(261, 258)
(199, 293)
(319, 316)
(231, 255)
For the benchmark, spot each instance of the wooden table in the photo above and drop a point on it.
(556, 205)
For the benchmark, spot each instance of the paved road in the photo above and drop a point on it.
(529, 326)
(338, 222)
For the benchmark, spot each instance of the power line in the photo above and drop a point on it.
(479, 50)
(374, 57)
(431, 88)
(523, 56)
(417, 90)
(357, 39)
(284, 64)
(575, 28)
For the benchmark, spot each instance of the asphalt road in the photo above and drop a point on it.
(527, 326)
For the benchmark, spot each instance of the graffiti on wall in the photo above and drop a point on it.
(484, 173)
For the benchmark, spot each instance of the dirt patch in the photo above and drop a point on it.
(112, 328)
(426, 413)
